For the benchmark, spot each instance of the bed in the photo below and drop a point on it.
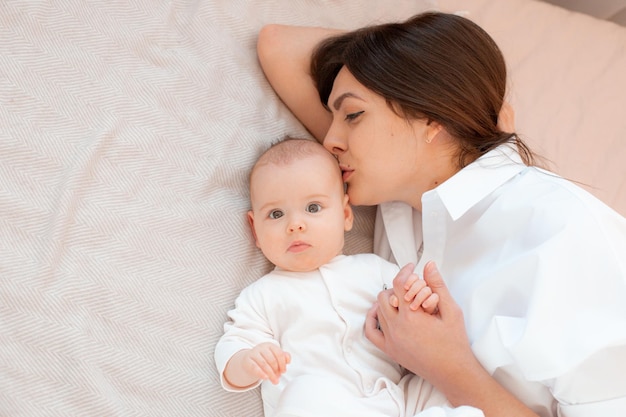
(127, 130)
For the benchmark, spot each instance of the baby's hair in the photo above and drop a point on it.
(288, 150)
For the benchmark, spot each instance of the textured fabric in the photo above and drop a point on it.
(127, 129)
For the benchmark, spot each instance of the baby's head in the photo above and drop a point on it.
(299, 209)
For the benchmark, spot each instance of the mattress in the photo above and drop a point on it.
(127, 130)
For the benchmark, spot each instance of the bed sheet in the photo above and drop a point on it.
(127, 130)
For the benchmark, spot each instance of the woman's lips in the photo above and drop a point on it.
(346, 172)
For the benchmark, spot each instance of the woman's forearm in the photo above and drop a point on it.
(285, 56)
(472, 385)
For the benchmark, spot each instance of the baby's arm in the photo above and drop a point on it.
(264, 361)
(419, 294)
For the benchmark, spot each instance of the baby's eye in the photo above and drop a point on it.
(314, 208)
(352, 116)
(276, 214)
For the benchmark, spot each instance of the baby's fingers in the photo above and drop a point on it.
(431, 304)
(267, 364)
(276, 361)
(417, 294)
(282, 359)
(409, 285)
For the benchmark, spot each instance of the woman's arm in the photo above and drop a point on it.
(436, 347)
(285, 56)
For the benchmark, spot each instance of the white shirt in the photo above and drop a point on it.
(318, 317)
(538, 266)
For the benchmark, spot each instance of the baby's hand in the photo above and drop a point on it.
(418, 294)
(266, 361)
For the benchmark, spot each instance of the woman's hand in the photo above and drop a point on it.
(436, 347)
(431, 345)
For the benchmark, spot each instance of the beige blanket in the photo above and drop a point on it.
(127, 129)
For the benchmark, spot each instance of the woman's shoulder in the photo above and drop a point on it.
(545, 197)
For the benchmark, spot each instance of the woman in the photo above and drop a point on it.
(528, 267)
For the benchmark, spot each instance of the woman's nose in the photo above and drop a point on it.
(333, 142)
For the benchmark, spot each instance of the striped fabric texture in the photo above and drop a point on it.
(127, 130)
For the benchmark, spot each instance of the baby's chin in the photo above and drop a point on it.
(303, 265)
(299, 268)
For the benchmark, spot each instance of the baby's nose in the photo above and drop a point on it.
(298, 226)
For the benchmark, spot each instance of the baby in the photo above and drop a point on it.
(298, 330)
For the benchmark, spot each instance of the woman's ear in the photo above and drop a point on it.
(251, 223)
(506, 118)
(348, 213)
(432, 130)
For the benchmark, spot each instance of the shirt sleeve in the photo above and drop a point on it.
(571, 342)
(557, 312)
(600, 381)
(247, 327)
(609, 408)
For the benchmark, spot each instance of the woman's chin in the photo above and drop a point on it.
(358, 199)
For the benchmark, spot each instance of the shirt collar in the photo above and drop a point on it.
(480, 178)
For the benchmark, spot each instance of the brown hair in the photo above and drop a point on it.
(435, 66)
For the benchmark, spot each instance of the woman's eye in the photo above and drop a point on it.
(314, 208)
(352, 116)
(276, 214)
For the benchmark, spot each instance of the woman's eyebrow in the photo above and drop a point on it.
(341, 98)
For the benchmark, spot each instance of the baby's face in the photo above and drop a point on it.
(299, 212)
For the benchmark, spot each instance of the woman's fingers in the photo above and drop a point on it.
(401, 279)
(373, 327)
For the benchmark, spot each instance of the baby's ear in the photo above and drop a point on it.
(348, 213)
(251, 223)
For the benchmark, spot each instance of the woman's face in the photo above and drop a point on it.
(383, 156)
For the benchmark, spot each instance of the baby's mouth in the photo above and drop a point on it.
(298, 247)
